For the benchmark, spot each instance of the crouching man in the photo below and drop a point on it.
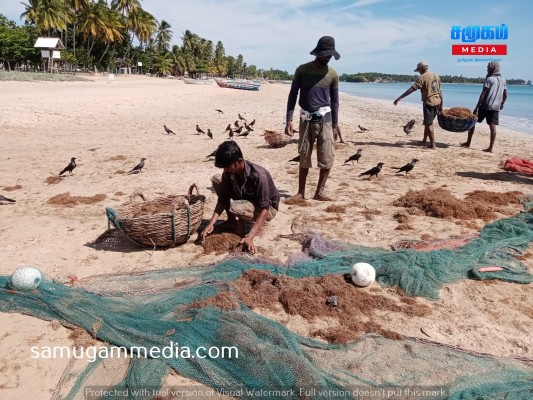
(245, 191)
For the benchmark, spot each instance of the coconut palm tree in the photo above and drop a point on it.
(163, 35)
(46, 14)
(100, 23)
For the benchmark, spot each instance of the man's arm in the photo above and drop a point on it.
(481, 98)
(216, 215)
(291, 103)
(503, 98)
(404, 94)
(248, 240)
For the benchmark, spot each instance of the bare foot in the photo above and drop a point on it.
(465, 144)
(322, 197)
(488, 150)
(297, 196)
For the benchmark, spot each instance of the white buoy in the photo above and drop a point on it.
(363, 274)
(26, 278)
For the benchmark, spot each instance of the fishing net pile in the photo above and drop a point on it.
(200, 306)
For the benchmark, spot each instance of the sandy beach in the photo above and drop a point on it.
(110, 125)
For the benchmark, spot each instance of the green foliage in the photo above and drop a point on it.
(16, 44)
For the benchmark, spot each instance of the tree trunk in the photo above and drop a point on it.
(103, 55)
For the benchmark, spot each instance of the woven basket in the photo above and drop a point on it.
(163, 229)
(276, 139)
(454, 124)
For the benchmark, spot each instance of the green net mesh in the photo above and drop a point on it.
(156, 310)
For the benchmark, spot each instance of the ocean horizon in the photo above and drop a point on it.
(517, 114)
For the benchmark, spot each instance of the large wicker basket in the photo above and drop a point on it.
(174, 225)
(455, 124)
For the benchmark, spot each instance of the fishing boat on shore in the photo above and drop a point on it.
(199, 81)
(237, 84)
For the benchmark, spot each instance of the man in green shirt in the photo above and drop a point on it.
(318, 85)
(429, 85)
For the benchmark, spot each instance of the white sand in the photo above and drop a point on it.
(43, 125)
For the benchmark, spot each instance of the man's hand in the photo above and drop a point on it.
(289, 131)
(248, 243)
(395, 102)
(501, 106)
(337, 135)
(207, 230)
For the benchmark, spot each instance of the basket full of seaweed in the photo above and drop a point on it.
(162, 222)
(457, 119)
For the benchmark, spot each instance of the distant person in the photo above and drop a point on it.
(491, 101)
(429, 85)
(318, 85)
(245, 191)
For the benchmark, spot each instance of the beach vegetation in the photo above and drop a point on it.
(115, 36)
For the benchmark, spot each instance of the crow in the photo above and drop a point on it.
(252, 123)
(373, 171)
(168, 131)
(295, 159)
(362, 128)
(3, 198)
(245, 134)
(249, 127)
(236, 123)
(407, 127)
(228, 128)
(230, 134)
(69, 167)
(238, 131)
(199, 130)
(355, 157)
(407, 167)
(210, 134)
(220, 111)
(241, 117)
(138, 168)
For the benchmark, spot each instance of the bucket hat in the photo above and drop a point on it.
(325, 47)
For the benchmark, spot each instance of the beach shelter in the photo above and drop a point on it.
(50, 50)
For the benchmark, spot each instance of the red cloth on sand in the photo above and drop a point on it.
(519, 165)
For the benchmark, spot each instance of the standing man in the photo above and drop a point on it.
(429, 85)
(318, 85)
(491, 101)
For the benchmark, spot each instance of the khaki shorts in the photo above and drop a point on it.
(323, 134)
(241, 208)
(246, 210)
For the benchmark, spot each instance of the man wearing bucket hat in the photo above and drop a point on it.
(318, 85)
(429, 85)
(491, 101)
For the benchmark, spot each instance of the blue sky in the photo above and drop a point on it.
(388, 36)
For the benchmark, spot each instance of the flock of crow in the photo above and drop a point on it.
(243, 131)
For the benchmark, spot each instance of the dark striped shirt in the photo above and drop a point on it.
(318, 87)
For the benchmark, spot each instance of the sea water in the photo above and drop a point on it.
(516, 115)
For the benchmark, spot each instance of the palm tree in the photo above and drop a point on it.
(163, 35)
(46, 14)
(219, 60)
(77, 7)
(100, 23)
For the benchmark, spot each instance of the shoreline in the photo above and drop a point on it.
(109, 126)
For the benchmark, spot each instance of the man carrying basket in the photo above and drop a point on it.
(429, 85)
(491, 101)
(245, 191)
